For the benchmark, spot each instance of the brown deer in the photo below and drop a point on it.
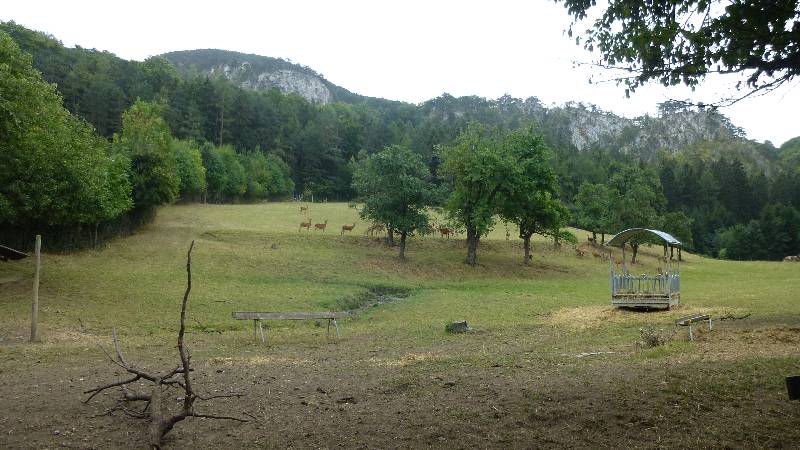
(321, 226)
(348, 228)
(306, 225)
(445, 232)
(579, 253)
(375, 228)
(303, 208)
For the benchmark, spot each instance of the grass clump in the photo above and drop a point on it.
(652, 337)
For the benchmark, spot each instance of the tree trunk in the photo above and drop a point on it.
(635, 248)
(680, 256)
(403, 245)
(472, 245)
(390, 235)
(527, 246)
(602, 239)
(594, 237)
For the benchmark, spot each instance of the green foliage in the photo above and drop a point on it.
(192, 174)
(529, 196)
(146, 140)
(55, 169)
(225, 175)
(774, 235)
(395, 189)
(267, 176)
(682, 41)
(637, 199)
(594, 208)
(716, 178)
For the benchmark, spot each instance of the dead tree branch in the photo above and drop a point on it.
(162, 420)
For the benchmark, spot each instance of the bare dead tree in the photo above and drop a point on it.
(162, 420)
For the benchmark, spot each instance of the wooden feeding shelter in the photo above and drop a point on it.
(662, 290)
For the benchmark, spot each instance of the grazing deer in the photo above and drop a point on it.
(444, 231)
(375, 228)
(579, 253)
(348, 228)
(306, 225)
(321, 226)
(303, 208)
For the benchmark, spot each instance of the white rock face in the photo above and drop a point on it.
(289, 81)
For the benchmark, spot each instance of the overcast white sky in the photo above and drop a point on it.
(411, 50)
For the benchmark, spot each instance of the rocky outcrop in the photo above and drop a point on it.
(306, 85)
(258, 73)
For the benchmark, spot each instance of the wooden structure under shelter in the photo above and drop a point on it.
(662, 290)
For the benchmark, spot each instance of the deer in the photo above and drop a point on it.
(374, 228)
(579, 253)
(306, 225)
(304, 208)
(444, 231)
(348, 228)
(321, 226)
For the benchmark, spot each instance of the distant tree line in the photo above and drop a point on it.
(262, 145)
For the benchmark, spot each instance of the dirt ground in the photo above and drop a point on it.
(725, 391)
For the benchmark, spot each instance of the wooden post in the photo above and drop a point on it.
(35, 305)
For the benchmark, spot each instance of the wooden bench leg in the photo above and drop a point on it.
(257, 326)
(335, 326)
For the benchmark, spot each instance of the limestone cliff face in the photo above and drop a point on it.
(258, 73)
(306, 85)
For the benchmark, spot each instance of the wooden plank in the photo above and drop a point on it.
(683, 321)
(252, 315)
(9, 254)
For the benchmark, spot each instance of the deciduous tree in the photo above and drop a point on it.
(395, 188)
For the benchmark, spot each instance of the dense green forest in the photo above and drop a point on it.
(164, 133)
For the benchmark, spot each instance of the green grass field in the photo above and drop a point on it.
(530, 324)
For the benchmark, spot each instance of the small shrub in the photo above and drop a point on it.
(654, 337)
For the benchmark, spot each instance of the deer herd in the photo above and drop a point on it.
(448, 232)
(374, 228)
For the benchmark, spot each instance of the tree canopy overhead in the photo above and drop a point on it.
(682, 41)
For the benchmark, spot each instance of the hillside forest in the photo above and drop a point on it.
(91, 145)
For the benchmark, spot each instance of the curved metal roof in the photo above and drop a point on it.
(624, 236)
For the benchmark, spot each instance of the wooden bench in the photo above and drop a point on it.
(689, 320)
(257, 317)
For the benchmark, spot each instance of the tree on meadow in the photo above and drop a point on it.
(477, 166)
(529, 198)
(394, 184)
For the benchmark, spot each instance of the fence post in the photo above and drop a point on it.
(35, 305)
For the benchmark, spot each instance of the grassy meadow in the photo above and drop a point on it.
(520, 379)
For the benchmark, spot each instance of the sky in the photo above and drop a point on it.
(410, 51)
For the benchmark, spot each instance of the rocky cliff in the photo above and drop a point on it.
(259, 73)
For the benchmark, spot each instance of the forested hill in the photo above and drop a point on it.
(573, 124)
(693, 162)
